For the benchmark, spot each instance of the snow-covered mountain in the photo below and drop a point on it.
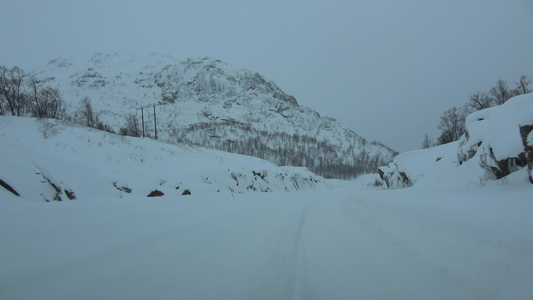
(209, 103)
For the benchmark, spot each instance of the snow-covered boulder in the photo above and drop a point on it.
(526, 132)
(494, 139)
(498, 141)
(393, 177)
(430, 165)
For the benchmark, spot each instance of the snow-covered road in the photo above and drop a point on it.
(331, 244)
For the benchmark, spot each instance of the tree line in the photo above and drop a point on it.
(452, 121)
(322, 157)
(25, 95)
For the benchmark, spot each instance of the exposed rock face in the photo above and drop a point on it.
(498, 141)
(487, 159)
(496, 137)
(393, 177)
(526, 132)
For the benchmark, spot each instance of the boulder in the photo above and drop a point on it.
(393, 177)
(496, 137)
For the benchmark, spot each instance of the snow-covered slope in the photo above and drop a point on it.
(50, 160)
(497, 142)
(209, 103)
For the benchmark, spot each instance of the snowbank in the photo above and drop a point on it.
(496, 144)
(52, 161)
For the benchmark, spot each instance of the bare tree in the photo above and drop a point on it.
(86, 114)
(428, 142)
(452, 125)
(500, 93)
(52, 105)
(522, 86)
(131, 127)
(11, 89)
(19, 97)
(34, 86)
(479, 101)
(6, 89)
(44, 102)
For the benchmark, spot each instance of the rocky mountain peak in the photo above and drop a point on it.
(209, 103)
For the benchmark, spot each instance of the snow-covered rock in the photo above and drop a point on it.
(526, 132)
(393, 177)
(493, 136)
(50, 160)
(497, 143)
(209, 103)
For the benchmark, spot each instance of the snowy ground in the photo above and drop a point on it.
(353, 243)
(303, 240)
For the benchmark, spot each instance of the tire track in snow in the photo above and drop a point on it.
(291, 281)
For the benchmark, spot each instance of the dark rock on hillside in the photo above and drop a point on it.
(155, 193)
(526, 132)
(8, 188)
(393, 177)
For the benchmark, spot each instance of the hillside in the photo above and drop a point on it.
(50, 160)
(209, 103)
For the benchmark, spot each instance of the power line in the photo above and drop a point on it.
(142, 116)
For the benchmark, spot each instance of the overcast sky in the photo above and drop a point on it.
(387, 69)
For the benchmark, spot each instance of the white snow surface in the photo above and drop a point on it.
(355, 241)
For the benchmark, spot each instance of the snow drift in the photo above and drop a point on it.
(498, 141)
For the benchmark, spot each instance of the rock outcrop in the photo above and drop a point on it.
(393, 177)
(526, 132)
(498, 141)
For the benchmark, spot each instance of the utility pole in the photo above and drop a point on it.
(155, 124)
(155, 120)
(142, 118)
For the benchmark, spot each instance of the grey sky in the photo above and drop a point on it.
(387, 69)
